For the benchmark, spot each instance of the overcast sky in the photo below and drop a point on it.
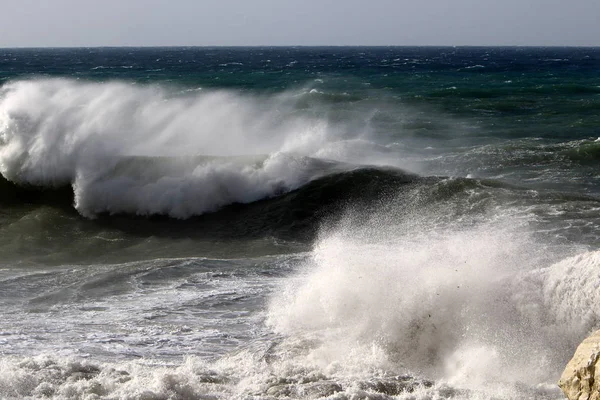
(36, 23)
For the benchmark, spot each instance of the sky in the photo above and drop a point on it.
(58, 23)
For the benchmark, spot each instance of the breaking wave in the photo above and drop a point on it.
(147, 150)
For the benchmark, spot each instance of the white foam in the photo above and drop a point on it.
(481, 308)
(240, 377)
(68, 378)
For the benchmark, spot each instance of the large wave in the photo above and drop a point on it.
(59, 132)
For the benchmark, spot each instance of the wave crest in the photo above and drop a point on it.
(59, 132)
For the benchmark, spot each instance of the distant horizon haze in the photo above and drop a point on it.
(182, 23)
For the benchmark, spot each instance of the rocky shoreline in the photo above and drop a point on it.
(581, 377)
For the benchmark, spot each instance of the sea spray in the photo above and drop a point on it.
(474, 306)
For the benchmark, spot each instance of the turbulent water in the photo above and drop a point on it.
(265, 223)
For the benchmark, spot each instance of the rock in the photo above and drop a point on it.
(581, 377)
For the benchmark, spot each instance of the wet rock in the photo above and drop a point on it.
(581, 377)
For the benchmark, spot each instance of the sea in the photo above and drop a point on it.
(336, 223)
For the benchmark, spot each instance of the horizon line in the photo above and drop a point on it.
(295, 46)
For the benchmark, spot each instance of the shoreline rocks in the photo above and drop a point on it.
(581, 377)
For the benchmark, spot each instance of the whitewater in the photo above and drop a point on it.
(355, 223)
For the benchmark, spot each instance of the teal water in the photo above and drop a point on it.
(268, 223)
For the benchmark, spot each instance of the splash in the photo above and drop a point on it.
(483, 307)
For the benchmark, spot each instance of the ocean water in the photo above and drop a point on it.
(297, 223)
